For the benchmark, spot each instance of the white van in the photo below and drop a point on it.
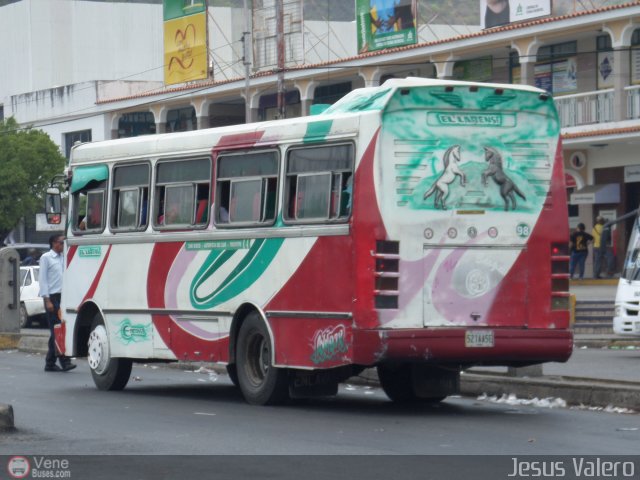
(627, 304)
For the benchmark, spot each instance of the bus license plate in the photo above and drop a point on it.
(479, 338)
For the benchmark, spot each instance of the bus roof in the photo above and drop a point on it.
(376, 98)
(344, 114)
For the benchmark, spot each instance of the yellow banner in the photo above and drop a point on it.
(185, 49)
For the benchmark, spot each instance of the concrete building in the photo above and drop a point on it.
(91, 70)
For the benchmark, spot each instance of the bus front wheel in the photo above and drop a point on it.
(108, 373)
(260, 382)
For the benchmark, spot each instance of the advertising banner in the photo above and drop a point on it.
(185, 49)
(606, 70)
(384, 24)
(181, 8)
(501, 12)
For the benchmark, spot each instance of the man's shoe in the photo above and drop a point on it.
(68, 366)
(52, 368)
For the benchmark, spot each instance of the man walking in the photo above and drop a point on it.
(51, 269)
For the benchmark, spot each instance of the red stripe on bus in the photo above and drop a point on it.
(96, 280)
(71, 253)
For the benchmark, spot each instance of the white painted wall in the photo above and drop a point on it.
(48, 43)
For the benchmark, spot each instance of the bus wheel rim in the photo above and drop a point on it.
(259, 359)
(98, 350)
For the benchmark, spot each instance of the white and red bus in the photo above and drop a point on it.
(419, 227)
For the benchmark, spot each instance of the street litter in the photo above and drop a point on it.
(607, 409)
(512, 399)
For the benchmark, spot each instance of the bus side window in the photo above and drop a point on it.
(182, 193)
(88, 207)
(130, 194)
(319, 183)
(246, 189)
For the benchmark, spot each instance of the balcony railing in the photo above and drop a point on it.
(586, 108)
(633, 101)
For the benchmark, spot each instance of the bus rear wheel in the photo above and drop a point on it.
(260, 382)
(402, 382)
(108, 373)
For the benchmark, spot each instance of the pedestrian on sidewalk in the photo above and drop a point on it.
(51, 270)
(599, 247)
(579, 246)
(602, 254)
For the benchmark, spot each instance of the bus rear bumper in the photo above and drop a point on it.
(509, 346)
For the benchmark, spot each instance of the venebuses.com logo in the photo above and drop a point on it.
(18, 467)
(38, 467)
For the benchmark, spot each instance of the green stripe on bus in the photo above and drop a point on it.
(250, 268)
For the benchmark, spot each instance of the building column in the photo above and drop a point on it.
(527, 50)
(115, 118)
(160, 116)
(254, 106)
(620, 33)
(307, 89)
(201, 106)
(444, 65)
(527, 71)
(370, 75)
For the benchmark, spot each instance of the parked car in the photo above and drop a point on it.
(31, 304)
(29, 253)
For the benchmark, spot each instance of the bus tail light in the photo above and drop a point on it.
(560, 276)
(387, 274)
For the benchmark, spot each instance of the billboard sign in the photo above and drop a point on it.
(185, 49)
(494, 13)
(384, 24)
(181, 8)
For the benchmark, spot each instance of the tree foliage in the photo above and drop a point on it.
(28, 161)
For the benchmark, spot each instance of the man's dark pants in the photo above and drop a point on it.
(52, 319)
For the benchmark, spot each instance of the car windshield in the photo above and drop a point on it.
(23, 274)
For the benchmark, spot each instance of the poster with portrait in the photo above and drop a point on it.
(494, 13)
(384, 24)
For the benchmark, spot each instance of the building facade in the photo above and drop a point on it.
(87, 70)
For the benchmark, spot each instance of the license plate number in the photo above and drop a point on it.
(479, 338)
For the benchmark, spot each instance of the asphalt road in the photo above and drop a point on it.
(169, 411)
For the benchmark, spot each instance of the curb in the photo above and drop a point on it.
(575, 391)
(9, 340)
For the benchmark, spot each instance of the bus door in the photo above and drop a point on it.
(471, 286)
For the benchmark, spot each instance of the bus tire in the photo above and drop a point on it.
(260, 382)
(108, 373)
(232, 371)
(396, 382)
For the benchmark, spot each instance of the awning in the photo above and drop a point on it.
(82, 176)
(607, 193)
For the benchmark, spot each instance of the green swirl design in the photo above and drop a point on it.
(249, 269)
